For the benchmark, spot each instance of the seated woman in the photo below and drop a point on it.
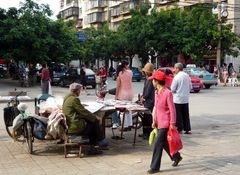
(80, 121)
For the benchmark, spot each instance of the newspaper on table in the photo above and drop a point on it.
(92, 106)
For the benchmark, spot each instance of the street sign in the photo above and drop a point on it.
(81, 36)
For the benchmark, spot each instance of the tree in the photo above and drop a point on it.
(29, 35)
(135, 33)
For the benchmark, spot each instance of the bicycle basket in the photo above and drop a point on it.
(9, 115)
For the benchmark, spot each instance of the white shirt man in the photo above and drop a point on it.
(181, 87)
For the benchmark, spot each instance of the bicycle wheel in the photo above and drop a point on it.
(9, 131)
(28, 136)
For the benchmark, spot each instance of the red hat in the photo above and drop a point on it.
(158, 75)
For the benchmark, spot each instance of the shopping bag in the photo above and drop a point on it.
(174, 141)
(49, 88)
(152, 136)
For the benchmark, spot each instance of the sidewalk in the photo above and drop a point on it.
(212, 149)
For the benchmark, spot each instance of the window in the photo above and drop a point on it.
(94, 17)
(115, 11)
(72, 11)
(69, 1)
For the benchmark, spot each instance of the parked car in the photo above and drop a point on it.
(57, 70)
(73, 75)
(137, 75)
(208, 79)
(196, 83)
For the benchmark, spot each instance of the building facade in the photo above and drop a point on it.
(94, 13)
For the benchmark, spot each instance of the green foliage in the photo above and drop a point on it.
(28, 34)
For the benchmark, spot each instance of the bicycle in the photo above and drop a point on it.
(24, 132)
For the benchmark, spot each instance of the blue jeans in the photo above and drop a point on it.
(115, 118)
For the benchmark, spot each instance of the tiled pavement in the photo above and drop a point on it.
(212, 149)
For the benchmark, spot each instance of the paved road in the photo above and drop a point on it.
(211, 149)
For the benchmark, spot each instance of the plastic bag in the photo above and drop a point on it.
(49, 88)
(174, 141)
(17, 122)
(152, 136)
(39, 129)
(98, 79)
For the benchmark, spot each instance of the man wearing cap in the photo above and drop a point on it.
(147, 99)
(80, 120)
(181, 87)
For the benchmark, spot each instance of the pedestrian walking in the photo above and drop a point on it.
(230, 70)
(45, 79)
(83, 79)
(181, 87)
(225, 76)
(164, 118)
(147, 99)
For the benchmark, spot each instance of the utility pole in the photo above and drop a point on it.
(219, 40)
(222, 14)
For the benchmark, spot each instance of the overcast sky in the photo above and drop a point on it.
(54, 4)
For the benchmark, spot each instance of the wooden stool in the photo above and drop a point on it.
(74, 142)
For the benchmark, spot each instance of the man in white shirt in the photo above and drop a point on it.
(181, 87)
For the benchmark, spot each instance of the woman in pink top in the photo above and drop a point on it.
(124, 90)
(164, 117)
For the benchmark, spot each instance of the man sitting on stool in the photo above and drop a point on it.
(82, 122)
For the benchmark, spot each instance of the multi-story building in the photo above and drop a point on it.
(88, 13)
(233, 8)
(94, 13)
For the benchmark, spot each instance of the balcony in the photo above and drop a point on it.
(126, 7)
(68, 5)
(96, 4)
(115, 11)
(94, 18)
(70, 12)
(194, 1)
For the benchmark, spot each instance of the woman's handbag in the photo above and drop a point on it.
(174, 141)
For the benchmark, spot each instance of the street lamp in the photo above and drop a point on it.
(224, 11)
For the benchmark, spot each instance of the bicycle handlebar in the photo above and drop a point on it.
(15, 98)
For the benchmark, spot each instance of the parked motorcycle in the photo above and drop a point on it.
(23, 76)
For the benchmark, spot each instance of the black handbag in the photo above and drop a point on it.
(9, 115)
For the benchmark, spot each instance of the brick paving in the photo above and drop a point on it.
(212, 148)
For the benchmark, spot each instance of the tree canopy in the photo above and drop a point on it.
(29, 35)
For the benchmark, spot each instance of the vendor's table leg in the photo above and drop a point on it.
(135, 134)
(122, 124)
